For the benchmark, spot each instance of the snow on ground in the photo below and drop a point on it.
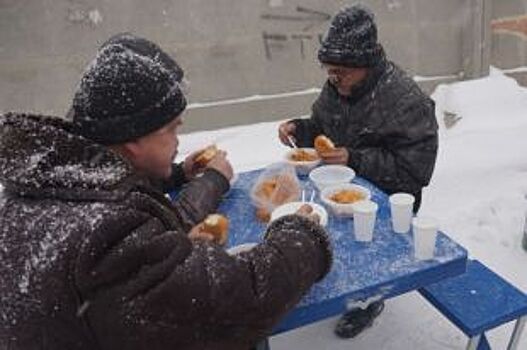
(478, 192)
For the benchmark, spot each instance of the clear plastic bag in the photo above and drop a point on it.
(278, 184)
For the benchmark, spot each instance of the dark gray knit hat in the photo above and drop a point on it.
(131, 89)
(351, 39)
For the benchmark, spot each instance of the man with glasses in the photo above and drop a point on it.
(382, 124)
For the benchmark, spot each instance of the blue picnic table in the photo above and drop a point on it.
(361, 271)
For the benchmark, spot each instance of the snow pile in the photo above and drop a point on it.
(479, 187)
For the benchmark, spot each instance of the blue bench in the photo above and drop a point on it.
(477, 301)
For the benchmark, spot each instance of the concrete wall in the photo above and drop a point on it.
(509, 37)
(231, 49)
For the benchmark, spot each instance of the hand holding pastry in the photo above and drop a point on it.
(336, 156)
(220, 163)
(197, 234)
(206, 155)
(217, 225)
(195, 162)
(323, 144)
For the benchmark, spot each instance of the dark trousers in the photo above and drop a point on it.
(262, 345)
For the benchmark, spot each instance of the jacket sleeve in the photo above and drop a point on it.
(176, 180)
(199, 197)
(149, 288)
(305, 131)
(406, 155)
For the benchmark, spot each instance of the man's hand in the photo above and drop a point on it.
(337, 156)
(190, 167)
(221, 164)
(284, 130)
(307, 211)
(197, 234)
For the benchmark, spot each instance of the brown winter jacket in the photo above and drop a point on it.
(93, 257)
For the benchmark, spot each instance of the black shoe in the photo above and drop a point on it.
(356, 320)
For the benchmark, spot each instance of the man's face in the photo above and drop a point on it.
(154, 153)
(344, 78)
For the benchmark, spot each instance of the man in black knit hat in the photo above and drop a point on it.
(129, 91)
(382, 124)
(94, 256)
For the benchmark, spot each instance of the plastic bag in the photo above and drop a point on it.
(276, 185)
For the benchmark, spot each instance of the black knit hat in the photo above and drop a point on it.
(131, 89)
(351, 39)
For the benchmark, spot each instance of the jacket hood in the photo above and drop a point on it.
(39, 155)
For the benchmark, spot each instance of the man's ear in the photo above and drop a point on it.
(129, 150)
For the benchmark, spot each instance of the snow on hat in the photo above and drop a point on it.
(351, 39)
(131, 89)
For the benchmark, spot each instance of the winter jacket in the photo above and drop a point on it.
(92, 256)
(387, 124)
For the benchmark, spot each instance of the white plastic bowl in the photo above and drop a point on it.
(302, 168)
(292, 207)
(342, 209)
(331, 175)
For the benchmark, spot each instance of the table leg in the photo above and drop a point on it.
(473, 342)
(516, 333)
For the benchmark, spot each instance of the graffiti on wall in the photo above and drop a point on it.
(305, 17)
(511, 25)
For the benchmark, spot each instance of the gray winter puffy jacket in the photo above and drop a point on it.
(388, 126)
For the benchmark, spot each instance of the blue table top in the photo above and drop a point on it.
(361, 271)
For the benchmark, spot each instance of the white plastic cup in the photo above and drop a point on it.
(364, 214)
(425, 234)
(401, 207)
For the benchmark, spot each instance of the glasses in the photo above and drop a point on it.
(336, 73)
(337, 70)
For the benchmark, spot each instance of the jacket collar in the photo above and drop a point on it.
(40, 156)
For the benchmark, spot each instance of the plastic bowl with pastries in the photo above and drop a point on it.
(303, 159)
(273, 191)
(340, 198)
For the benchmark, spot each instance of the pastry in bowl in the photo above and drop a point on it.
(303, 159)
(340, 198)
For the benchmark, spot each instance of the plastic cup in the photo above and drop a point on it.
(425, 234)
(364, 214)
(401, 206)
